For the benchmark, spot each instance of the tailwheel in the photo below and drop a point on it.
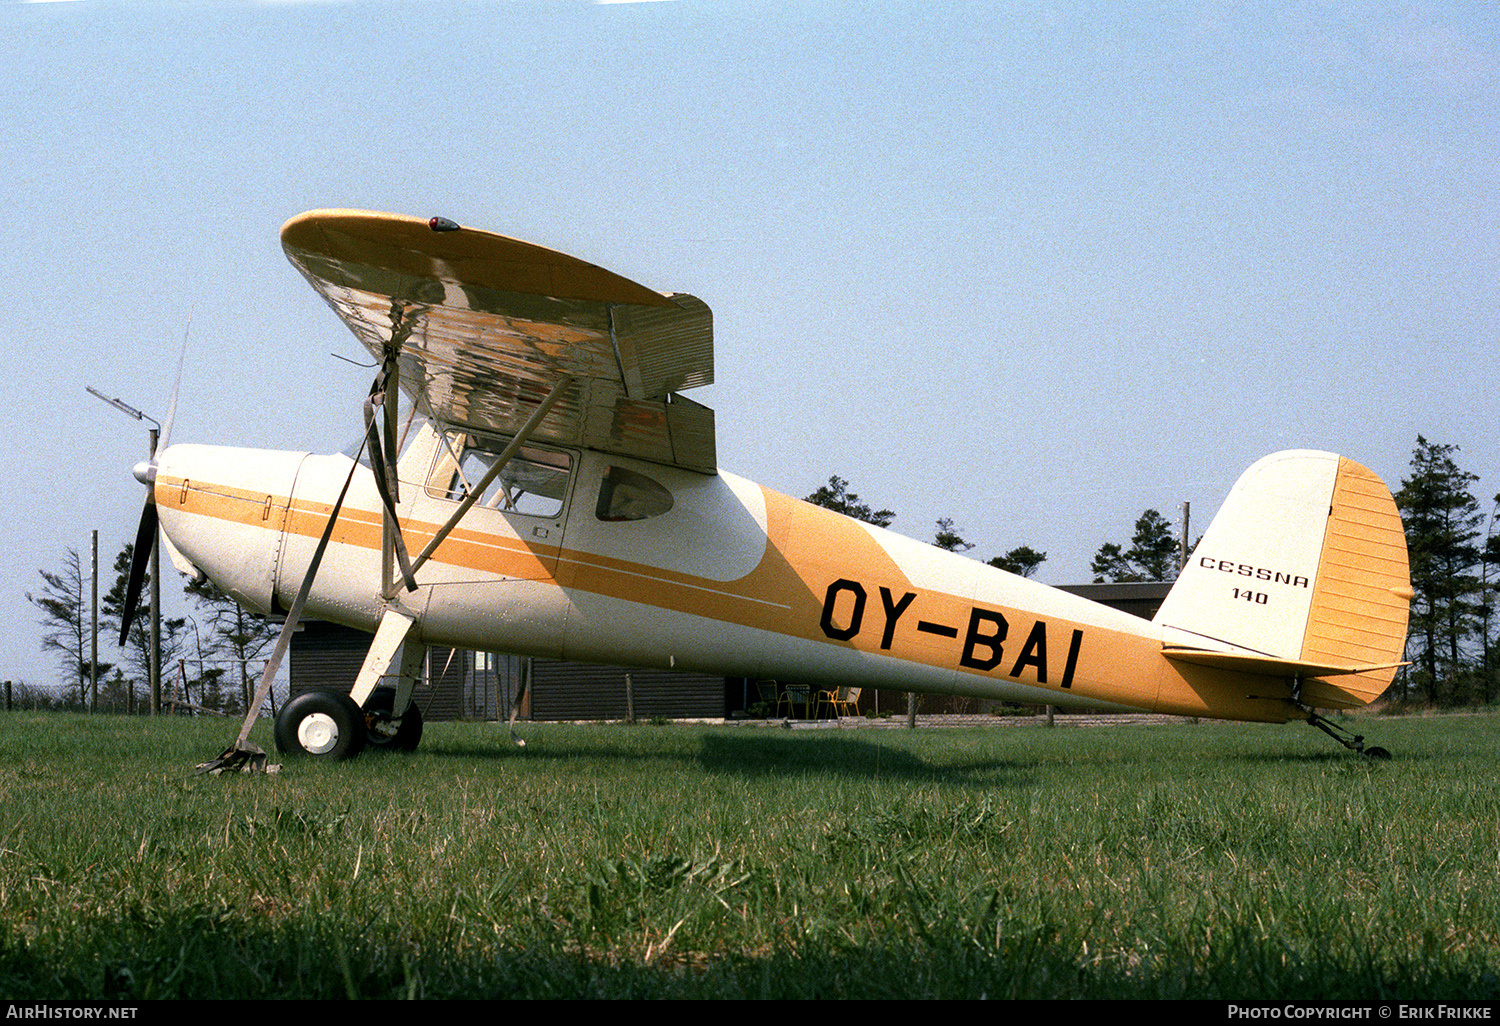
(1351, 741)
(386, 732)
(321, 724)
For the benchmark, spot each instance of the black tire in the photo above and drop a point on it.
(1377, 752)
(320, 725)
(385, 733)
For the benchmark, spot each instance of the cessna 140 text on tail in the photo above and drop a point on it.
(558, 497)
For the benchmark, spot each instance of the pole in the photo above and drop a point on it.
(1182, 544)
(155, 603)
(155, 660)
(94, 634)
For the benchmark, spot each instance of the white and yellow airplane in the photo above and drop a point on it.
(555, 495)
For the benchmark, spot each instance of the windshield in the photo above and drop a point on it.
(407, 423)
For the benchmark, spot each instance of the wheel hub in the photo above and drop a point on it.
(318, 733)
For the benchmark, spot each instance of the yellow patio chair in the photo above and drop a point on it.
(843, 701)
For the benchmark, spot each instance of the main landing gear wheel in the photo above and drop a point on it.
(321, 724)
(385, 732)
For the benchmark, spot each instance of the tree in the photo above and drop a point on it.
(1442, 520)
(835, 495)
(66, 621)
(1023, 561)
(1152, 555)
(234, 635)
(1489, 664)
(949, 539)
(1489, 661)
(138, 642)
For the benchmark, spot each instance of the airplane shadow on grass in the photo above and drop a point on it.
(761, 753)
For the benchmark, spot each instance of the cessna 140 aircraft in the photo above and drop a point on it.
(557, 496)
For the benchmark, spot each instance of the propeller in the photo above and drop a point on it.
(145, 542)
(146, 531)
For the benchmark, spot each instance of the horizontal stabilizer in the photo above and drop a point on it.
(1241, 662)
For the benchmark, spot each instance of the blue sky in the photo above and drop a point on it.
(1034, 267)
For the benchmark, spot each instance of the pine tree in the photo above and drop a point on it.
(1152, 555)
(1443, 521)
(835, 495)
(1023, 561)
(138, 643)
(948, 539)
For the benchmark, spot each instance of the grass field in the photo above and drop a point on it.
(1195, 861)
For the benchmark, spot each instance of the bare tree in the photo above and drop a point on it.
(235, 635)
(65, 619)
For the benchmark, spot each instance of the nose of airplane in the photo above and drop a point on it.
(223, 509)
(145, 541)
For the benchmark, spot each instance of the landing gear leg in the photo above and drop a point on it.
(1353, 742)
(388, 719)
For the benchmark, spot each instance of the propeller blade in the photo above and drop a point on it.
(166, 426)
(145, 541)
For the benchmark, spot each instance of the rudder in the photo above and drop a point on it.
(1305, 562)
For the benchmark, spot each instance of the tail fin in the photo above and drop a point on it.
(1304, 571)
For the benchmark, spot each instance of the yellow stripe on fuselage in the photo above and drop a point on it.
(822, 578)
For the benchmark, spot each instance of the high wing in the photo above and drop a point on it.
(484, 327)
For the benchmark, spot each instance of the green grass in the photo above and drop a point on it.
(1195, 861)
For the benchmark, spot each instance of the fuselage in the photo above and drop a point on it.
(586, 556)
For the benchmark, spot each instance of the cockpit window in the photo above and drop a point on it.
(627, 495)
(533, 482)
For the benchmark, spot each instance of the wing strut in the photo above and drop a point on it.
(522, 436)
(383, 464)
